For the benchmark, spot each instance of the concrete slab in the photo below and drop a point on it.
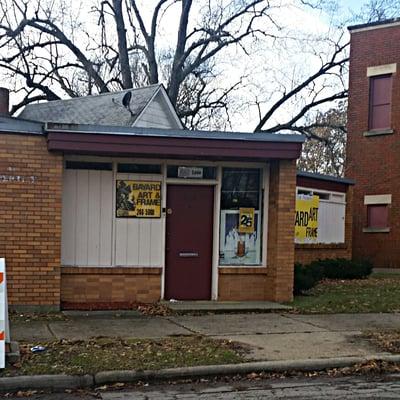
(32, 331)
(300, 346)
(144, 327)
(350, 322)
(242, 324)
(225, 306)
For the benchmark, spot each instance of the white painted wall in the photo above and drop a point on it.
(139, 241)
(87, 218)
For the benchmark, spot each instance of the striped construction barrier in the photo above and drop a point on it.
(3, 313)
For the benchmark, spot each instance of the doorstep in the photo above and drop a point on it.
(224, 306)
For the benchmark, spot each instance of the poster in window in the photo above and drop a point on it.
(138, 199)
(306, 221)
(246, 220)
(237, 248)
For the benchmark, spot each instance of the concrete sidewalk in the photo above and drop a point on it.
(281, 336)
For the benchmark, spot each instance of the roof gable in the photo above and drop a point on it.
(159, 113)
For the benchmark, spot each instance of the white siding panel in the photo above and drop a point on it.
(94, 212)
(132, 242)
(81, 233)
(156, 240)
(87, 218)
(68, 218)
(106, 218)
(157, 115)
(121, 241)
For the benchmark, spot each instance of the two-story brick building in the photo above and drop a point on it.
(373, 147)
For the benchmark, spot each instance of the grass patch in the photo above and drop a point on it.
(386, 340)
(106, 354)
(378, 293)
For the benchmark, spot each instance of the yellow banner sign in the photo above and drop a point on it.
(138, 199)
(246, 220)
(306, 224)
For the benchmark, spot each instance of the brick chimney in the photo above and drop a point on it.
(4, 101)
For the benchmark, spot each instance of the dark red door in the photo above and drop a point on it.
(189, 242)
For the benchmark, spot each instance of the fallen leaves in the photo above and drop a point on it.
(388, 340)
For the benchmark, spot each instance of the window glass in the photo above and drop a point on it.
(241, 217)
(240, 188)
(380, 102)
(377, 216)
(102, 166)
(139, 168)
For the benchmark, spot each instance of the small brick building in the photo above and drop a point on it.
(133, 209)
(102, 215)
(373, 142)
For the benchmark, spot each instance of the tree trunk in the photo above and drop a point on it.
(122, 46)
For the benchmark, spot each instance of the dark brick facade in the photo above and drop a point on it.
(373, 161)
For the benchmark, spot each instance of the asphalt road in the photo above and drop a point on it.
(379, 387)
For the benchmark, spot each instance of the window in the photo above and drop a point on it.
(241, 217)
(330, 217)
(377, 212)
(240, 188)
(96, 166)
(377, 216)
(139, 168)
(380, 99)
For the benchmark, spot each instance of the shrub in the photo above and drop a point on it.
(306, 277)
(341, 268)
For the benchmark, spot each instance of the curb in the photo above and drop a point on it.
(62, 382)
(47, 382)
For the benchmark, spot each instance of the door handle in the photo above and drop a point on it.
(188, 254)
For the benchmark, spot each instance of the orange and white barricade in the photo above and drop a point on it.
(3, 313)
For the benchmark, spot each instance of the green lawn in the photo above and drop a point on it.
(378, 293)
(106, 354)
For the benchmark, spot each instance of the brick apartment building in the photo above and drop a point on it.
(373, 149)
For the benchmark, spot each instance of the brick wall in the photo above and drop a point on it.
(280, 240)
(30, 220)
(96, 288)
(374, 162)
(306, 253)
(241, 284)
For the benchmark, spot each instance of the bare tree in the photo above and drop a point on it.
(124, 53)
(325, 151)
(378, 10)
(56, 54)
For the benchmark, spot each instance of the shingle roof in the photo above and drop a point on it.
(175, 133)
(323, 177)
(103, 109)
